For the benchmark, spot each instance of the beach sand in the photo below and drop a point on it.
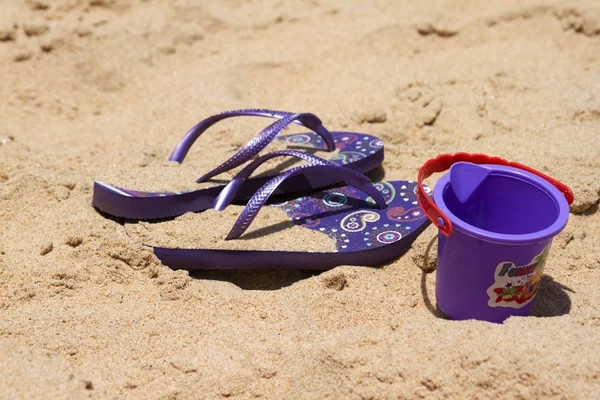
(92, 86)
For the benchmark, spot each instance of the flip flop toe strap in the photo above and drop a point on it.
(259, 142)
(347, 175)
(230, 191)
(307, 120)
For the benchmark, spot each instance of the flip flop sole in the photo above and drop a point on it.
(361, 152)
(363, 234)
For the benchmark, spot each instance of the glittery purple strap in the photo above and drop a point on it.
(229, 192)
(263, 139)
(347, 175)
(308, 120)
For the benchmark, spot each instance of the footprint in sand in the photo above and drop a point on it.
(8, 29)
(103, 74)
(421, 102)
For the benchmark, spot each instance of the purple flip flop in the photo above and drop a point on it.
(358, 151)
(370, 222)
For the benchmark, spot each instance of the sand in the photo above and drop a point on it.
(171, 176)
(88, 86)
(271, 230)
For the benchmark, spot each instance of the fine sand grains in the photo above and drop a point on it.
(105, 89)
(271, 230)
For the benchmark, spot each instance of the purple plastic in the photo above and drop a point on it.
(490, 266)
(358, 151)
(261, 140)
(466, 177)
(364, 233)
(192, 259)
(353, 178)
(230, 191)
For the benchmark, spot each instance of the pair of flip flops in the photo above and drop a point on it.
(362, 223)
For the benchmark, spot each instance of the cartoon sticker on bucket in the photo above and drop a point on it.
(515, 286)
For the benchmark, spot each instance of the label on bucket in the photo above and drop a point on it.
(515, 286)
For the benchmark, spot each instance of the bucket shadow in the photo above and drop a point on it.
(433, 309)
(552, 299)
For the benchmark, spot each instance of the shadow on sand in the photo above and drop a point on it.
(264, 279)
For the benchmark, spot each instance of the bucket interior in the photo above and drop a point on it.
(506, 205)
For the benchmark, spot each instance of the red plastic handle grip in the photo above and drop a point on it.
(444, 162)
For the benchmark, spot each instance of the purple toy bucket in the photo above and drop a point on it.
(496, 220)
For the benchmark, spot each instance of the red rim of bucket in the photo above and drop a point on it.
(443, 162)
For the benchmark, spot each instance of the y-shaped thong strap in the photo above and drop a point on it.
(347, 175)
(230, 191)
(257, 144)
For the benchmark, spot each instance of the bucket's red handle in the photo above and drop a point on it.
(444, 162)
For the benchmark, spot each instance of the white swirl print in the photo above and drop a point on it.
(357, 221)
